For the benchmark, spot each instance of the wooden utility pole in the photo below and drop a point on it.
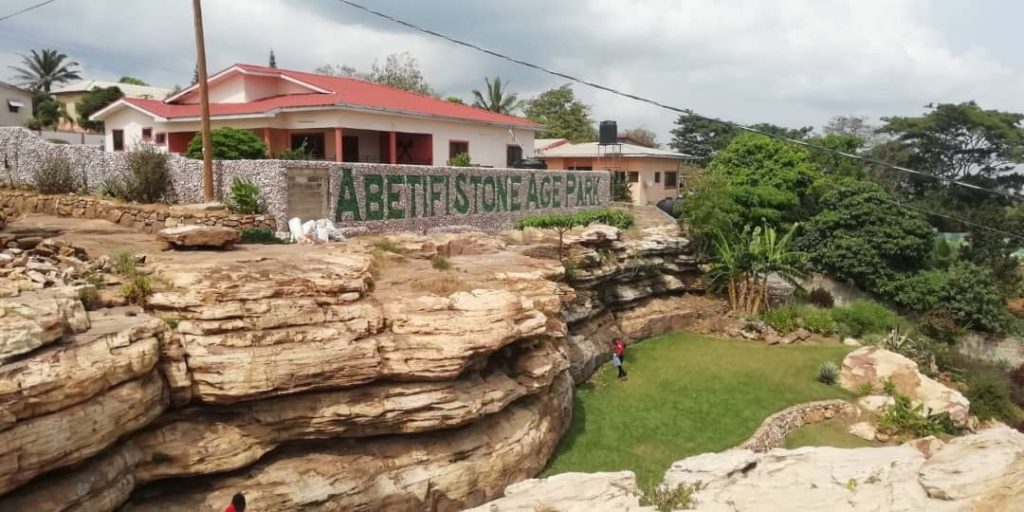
(204, 103)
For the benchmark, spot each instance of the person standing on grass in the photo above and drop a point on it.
(618, 366)
(620, 350)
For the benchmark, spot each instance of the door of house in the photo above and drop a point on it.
(314, 143)
(350, 148)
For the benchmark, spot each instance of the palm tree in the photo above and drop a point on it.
(497, 99)
(42, 70)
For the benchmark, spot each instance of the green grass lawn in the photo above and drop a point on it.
(833, 432)
(686, 394)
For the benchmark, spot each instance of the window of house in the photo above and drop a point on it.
(657, 177)
(634, 177)
(513, 155)
(13, 106)
(457, 147)
(580, 168)
(118, 139)
(161, 138)
(670, 179)
(147, 134)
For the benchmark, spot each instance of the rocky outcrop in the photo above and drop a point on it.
(199, 237)
(873, 367)
(977, 472)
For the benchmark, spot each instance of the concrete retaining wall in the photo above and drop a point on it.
(385, 197)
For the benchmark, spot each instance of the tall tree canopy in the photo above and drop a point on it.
(496, 98)
(644, 136)
(343, 70)
(131, 80)
(400, 70)
(562, 115)
(854, 126)
(92, 102)
(700, 138)
(41, 70)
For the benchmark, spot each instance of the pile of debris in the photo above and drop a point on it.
(34, 263)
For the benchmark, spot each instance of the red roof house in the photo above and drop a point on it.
(335, 118)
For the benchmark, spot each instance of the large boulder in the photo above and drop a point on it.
(873, 366)
(978, 466)
(199, 237)
(571, 492)
(38, 318)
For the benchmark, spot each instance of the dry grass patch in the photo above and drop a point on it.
(442, 285)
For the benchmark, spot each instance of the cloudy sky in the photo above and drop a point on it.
(789, 62)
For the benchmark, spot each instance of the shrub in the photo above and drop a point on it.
(111, 188)
(137, 288)
(55, 176)
(260, 236)
(125, 263)
(667, 499)
(784, 319)
(460, 160)
(990, 396)
(822, 298)
(975, 298)
(828, 373)
(905, 420)
(300, 153)
(817, 320)
(229, 144)
(440, 262)
(621, 190)
(864, 317)
(245, 197)
(147, 178)
(385, 245)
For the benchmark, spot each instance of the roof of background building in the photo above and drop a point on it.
(542, 144)
(593, 150)
(129, 90)
(15, 88)
(326, 91)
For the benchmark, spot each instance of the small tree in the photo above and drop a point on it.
(460, 160)
(621, 190)
(147, 178)
(230, 144)
(744, 262)
(245, 197)
(94, 101)
(559, 223)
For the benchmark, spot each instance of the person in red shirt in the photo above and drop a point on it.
(237, 503)
(620, 349)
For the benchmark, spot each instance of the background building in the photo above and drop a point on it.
(15, 105)
(69, 96)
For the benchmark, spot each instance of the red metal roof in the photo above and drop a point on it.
(343, 92)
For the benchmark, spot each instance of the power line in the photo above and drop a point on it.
(687, 112)
(950, 217)
(27, 9)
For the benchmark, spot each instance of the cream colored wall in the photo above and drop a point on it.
(486, 143)
(227, 90)
(8, 118)
(132, 122)
(240, 88)
(645, 167)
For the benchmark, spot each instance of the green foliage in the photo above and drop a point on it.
(131, 80)
(859, 234)
(666, 499)
(709, 208)
(55, 176)
(822, 298)
(401, 71)
(766, 178)
(245, 197)
(125, 262)
(260, 236)
(904, 420)
(496, 98)
(47, 112)
(94, 101)
(700, 137)
(989, 394)
(300, 153)
(385, 245)
(565, 222)
(137, 288)
(790, 317)
(147, 177)
(864, 317)
(744, 262)
(439, 262)
(818, 320)
(785, 318)
(621, 190)
(43, 69)
(111, 188)
(460, 160)
(229, 144)
(828, 373)
(562, 115)
(968, 293)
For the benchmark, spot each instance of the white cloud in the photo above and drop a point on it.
(793, 62)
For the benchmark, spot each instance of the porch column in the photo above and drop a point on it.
(266, 140)
(393, 148)
(337, 144)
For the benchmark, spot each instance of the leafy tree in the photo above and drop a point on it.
(497, 98)
(42, 70)
(700, 137)
(860, 235)
(272, 60)
(854, 126)
(744, 262)
(781, 131)
(968, 293)
(562, 115)
(342, 70)
(709, 209)
(455, 99)
(767, 178)
(131, 80)
(401, 71)
(838, 165)
(94, 101)
(644, 136)
(47, 112)
(229, 144)
(961, 142)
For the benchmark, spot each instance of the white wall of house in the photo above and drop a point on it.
(132, 122)
(240, 88)
(22, 114)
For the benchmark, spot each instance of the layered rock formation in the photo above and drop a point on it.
(978, 472)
